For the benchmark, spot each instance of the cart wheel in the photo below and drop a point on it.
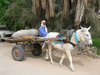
(17, 53)
(0, 39)
(37, 50)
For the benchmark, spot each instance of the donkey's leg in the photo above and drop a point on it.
(44, 48)
(61, 61)
(50, 53)
(70, 59)
(47, 54)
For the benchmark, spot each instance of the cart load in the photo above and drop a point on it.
(29, 32)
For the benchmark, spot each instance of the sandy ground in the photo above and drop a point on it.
(32, 65)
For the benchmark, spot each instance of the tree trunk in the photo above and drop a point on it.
(97, 6)
(81, 5)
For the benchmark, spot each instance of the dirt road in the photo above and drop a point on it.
(32, 65)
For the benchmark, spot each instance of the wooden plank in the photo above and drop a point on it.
(34, 39)
(46, 39)
(17, 40)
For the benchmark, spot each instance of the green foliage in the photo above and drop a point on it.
(96, 43)
(3, 6)
(19, 15)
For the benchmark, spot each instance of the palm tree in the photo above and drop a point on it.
(81, 5)
(58, 13)
(38, 6)
(96, 5)
(48, 6)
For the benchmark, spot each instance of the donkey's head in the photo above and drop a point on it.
(85, 37)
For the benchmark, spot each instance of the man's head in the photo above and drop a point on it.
(43, 22)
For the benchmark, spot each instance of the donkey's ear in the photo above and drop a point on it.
(81, 27)
(89, 28)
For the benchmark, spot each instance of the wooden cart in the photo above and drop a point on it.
(26, 44)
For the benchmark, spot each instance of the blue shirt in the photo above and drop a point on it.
(42, 31)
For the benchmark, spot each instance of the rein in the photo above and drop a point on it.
(86, 40)
(60, 41)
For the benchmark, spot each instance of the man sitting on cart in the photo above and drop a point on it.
(43, 29)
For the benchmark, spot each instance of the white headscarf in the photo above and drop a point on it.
(44, 25)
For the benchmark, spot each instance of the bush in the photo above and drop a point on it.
(96, 43)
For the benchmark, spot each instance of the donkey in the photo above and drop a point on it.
(81, 36)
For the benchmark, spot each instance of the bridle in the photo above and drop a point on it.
(86, 40)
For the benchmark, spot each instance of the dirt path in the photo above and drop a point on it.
(32, 65)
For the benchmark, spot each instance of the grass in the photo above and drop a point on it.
(96, 43)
